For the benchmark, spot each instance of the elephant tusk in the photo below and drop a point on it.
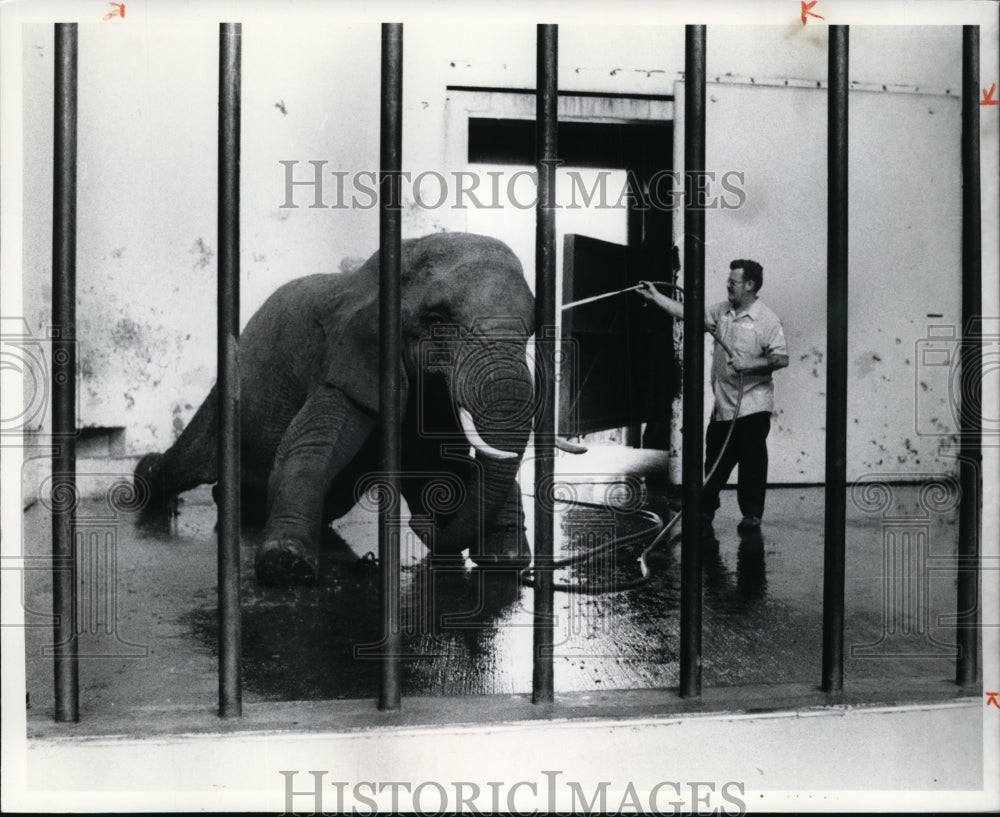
(477, 442)
(570, 448)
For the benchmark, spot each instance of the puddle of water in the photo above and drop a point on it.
(472, 633)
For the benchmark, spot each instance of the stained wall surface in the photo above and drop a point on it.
(904, 277)
(147, 244)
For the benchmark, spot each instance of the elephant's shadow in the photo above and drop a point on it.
(321, 641)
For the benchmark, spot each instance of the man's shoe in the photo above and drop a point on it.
(749, 523)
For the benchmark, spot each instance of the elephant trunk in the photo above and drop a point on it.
(492, 392)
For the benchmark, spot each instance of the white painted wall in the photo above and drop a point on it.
(147, 244)
(904, 258)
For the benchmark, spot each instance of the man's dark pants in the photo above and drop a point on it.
(748, 449)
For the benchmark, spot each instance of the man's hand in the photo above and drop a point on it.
(647, 291)
(673, 308)
(748, 364)
(745, 363)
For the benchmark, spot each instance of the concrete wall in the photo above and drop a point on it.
(147, 242)
(905, 263)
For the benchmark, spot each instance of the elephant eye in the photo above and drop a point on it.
(436, 315)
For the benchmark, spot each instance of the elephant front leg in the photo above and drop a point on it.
(323, 438)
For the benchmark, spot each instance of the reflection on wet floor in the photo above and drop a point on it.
(471, 633)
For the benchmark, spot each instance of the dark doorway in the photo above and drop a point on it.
(624, 369)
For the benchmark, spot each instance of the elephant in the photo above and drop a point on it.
(308, 364)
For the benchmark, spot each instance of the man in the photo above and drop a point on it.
(754, 334)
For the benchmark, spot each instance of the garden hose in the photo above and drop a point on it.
(597, 588)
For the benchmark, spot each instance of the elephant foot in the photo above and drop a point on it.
(147, 479)
(286, 561)
(158, 507)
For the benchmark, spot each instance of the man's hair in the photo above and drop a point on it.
(752, 271)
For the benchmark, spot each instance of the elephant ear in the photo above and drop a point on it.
(350, 323)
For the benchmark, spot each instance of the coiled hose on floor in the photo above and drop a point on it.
(597, 588)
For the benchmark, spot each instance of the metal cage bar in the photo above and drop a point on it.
(546, 151)
(64, 490)
(835, 513)
(970, 410)
(65, 602)
(228, 391)
(390, 407)
(694, 361)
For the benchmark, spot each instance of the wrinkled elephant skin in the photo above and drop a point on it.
(309, 406)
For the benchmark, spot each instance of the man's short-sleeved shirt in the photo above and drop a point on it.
(756, 332)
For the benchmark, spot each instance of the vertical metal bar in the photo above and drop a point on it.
(546, 150)
(228, 390)
(694, 360)
(390, 408)
(835, 513)
(969, 531)
(64, 493)
(634, 240)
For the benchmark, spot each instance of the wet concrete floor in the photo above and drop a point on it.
(149, 625)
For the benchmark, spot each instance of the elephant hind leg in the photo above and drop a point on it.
(321, 442)
(189, 462)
